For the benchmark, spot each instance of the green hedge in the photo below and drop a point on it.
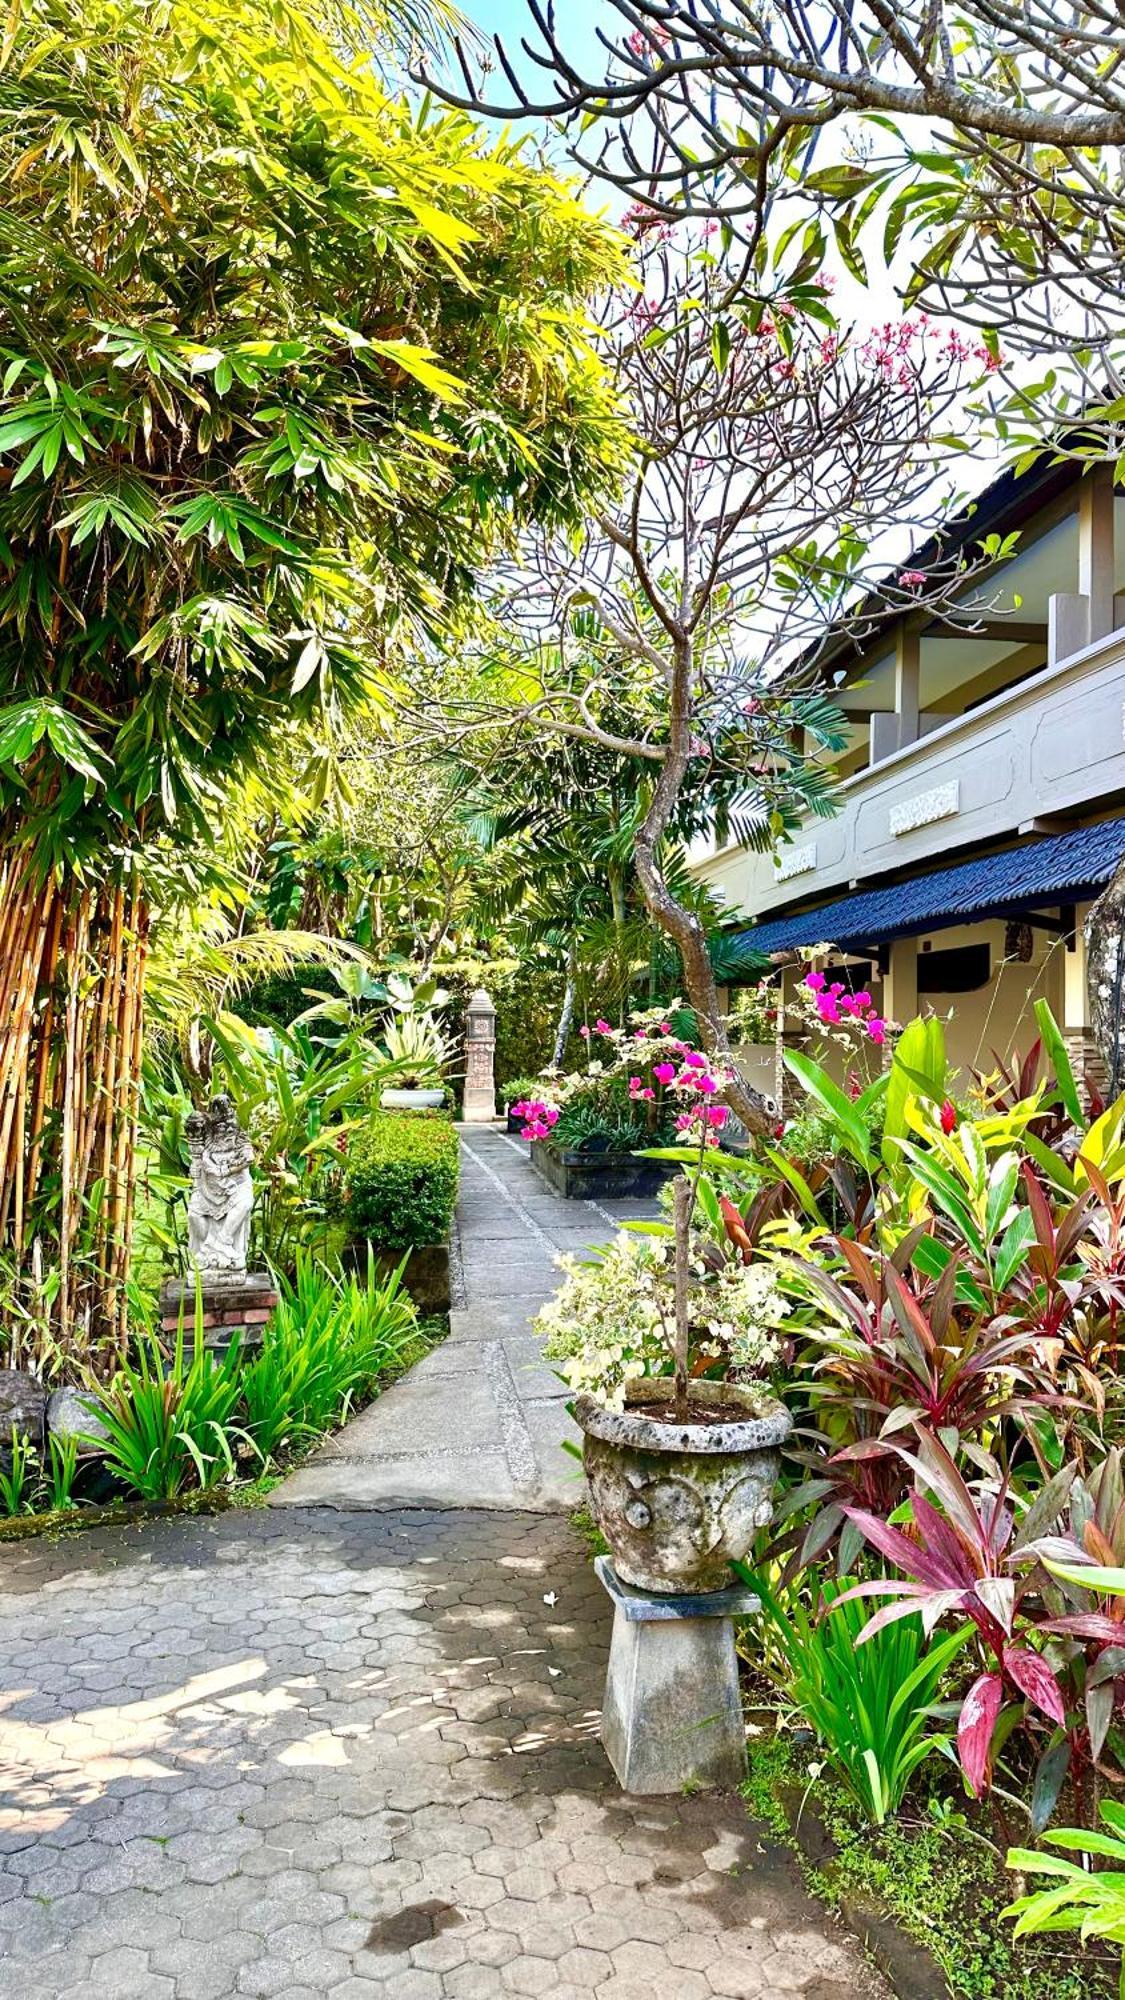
(402, 1180)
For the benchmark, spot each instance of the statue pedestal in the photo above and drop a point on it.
(234, 1303)
(673, 1714)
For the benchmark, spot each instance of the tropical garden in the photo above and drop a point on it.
(415, 533)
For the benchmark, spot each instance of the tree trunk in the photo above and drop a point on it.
(1105, 974)
(683, 1197)
(680, 924)
(562, 1033)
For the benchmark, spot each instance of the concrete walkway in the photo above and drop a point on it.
(481, 1421)
(342, 1750)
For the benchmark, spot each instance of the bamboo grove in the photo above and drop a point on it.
(256, 420)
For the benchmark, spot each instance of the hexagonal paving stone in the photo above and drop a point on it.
(353, 1755)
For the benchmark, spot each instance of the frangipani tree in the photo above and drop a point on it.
(988, 133)
(773, 454)
(280, 357)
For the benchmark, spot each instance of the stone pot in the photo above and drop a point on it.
(678, 1505)
(416, 1099)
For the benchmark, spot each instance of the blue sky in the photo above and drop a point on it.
(511, 19)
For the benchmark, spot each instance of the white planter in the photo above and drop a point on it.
(412, 1100)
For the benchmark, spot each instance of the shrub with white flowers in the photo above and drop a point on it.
(614, 1321)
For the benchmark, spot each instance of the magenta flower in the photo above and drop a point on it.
(877, 1029)
(665, 1029)
(520, 1110)
(664, 1071)
(695, 1060)
(815, 981)
(584, 1031)
(550, 1115)
(648, 1093)
(602, 1028)
(707, 1085)
(640, 1034)
(863, 1001)
(717, 1115)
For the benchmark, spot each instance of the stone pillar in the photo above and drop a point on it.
(479, 1104)
(1095, 549)
(900, 986)
(908, 672)
(1081, 1047)
(673, 1714)
(787, 1091)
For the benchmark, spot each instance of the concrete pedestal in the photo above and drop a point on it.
(672, 1714)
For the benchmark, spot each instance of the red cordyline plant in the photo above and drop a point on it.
(902, 1350)
(975, 1557)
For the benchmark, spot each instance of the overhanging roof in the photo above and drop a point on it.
(1062, 869)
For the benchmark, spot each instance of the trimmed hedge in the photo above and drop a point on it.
(402, 1180)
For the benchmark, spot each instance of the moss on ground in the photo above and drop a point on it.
(941, 1879)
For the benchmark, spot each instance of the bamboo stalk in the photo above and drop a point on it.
(16, 1030)
(43, 1058)
(125, 1240)
(67, 1137)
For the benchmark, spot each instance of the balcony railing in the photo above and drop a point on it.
(1052, 746)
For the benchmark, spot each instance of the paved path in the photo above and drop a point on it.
(349, 1750)
(480, 1422)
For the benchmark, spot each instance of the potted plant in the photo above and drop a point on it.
(416, 1045)
(516, 1096)
(602, 1123)
(668, 1340)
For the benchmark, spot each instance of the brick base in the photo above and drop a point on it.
(237, 1305)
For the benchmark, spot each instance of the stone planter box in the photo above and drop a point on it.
(679, 1503)
(425, 1279)
(586, 1176)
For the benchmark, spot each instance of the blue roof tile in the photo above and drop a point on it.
(1059, 869)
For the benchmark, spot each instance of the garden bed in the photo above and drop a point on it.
(249, 1483)
(581, 1175)
(924, 1892)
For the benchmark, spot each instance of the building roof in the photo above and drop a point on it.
(1063, 868)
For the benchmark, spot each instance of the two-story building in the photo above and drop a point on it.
(982, 790)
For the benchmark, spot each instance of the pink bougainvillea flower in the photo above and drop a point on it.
(640, 1034)
(584, 1031)
(520, 1110)
(707, 1085)
(815, 981)
(694, 1059)
(648, 1093)
(717, 1114)
(665, 1028)
(634, 1085)
(550, 1115)
(664, 1071)
(603, 1027)
(948, 1116)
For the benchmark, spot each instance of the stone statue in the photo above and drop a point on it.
(222, 1193)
